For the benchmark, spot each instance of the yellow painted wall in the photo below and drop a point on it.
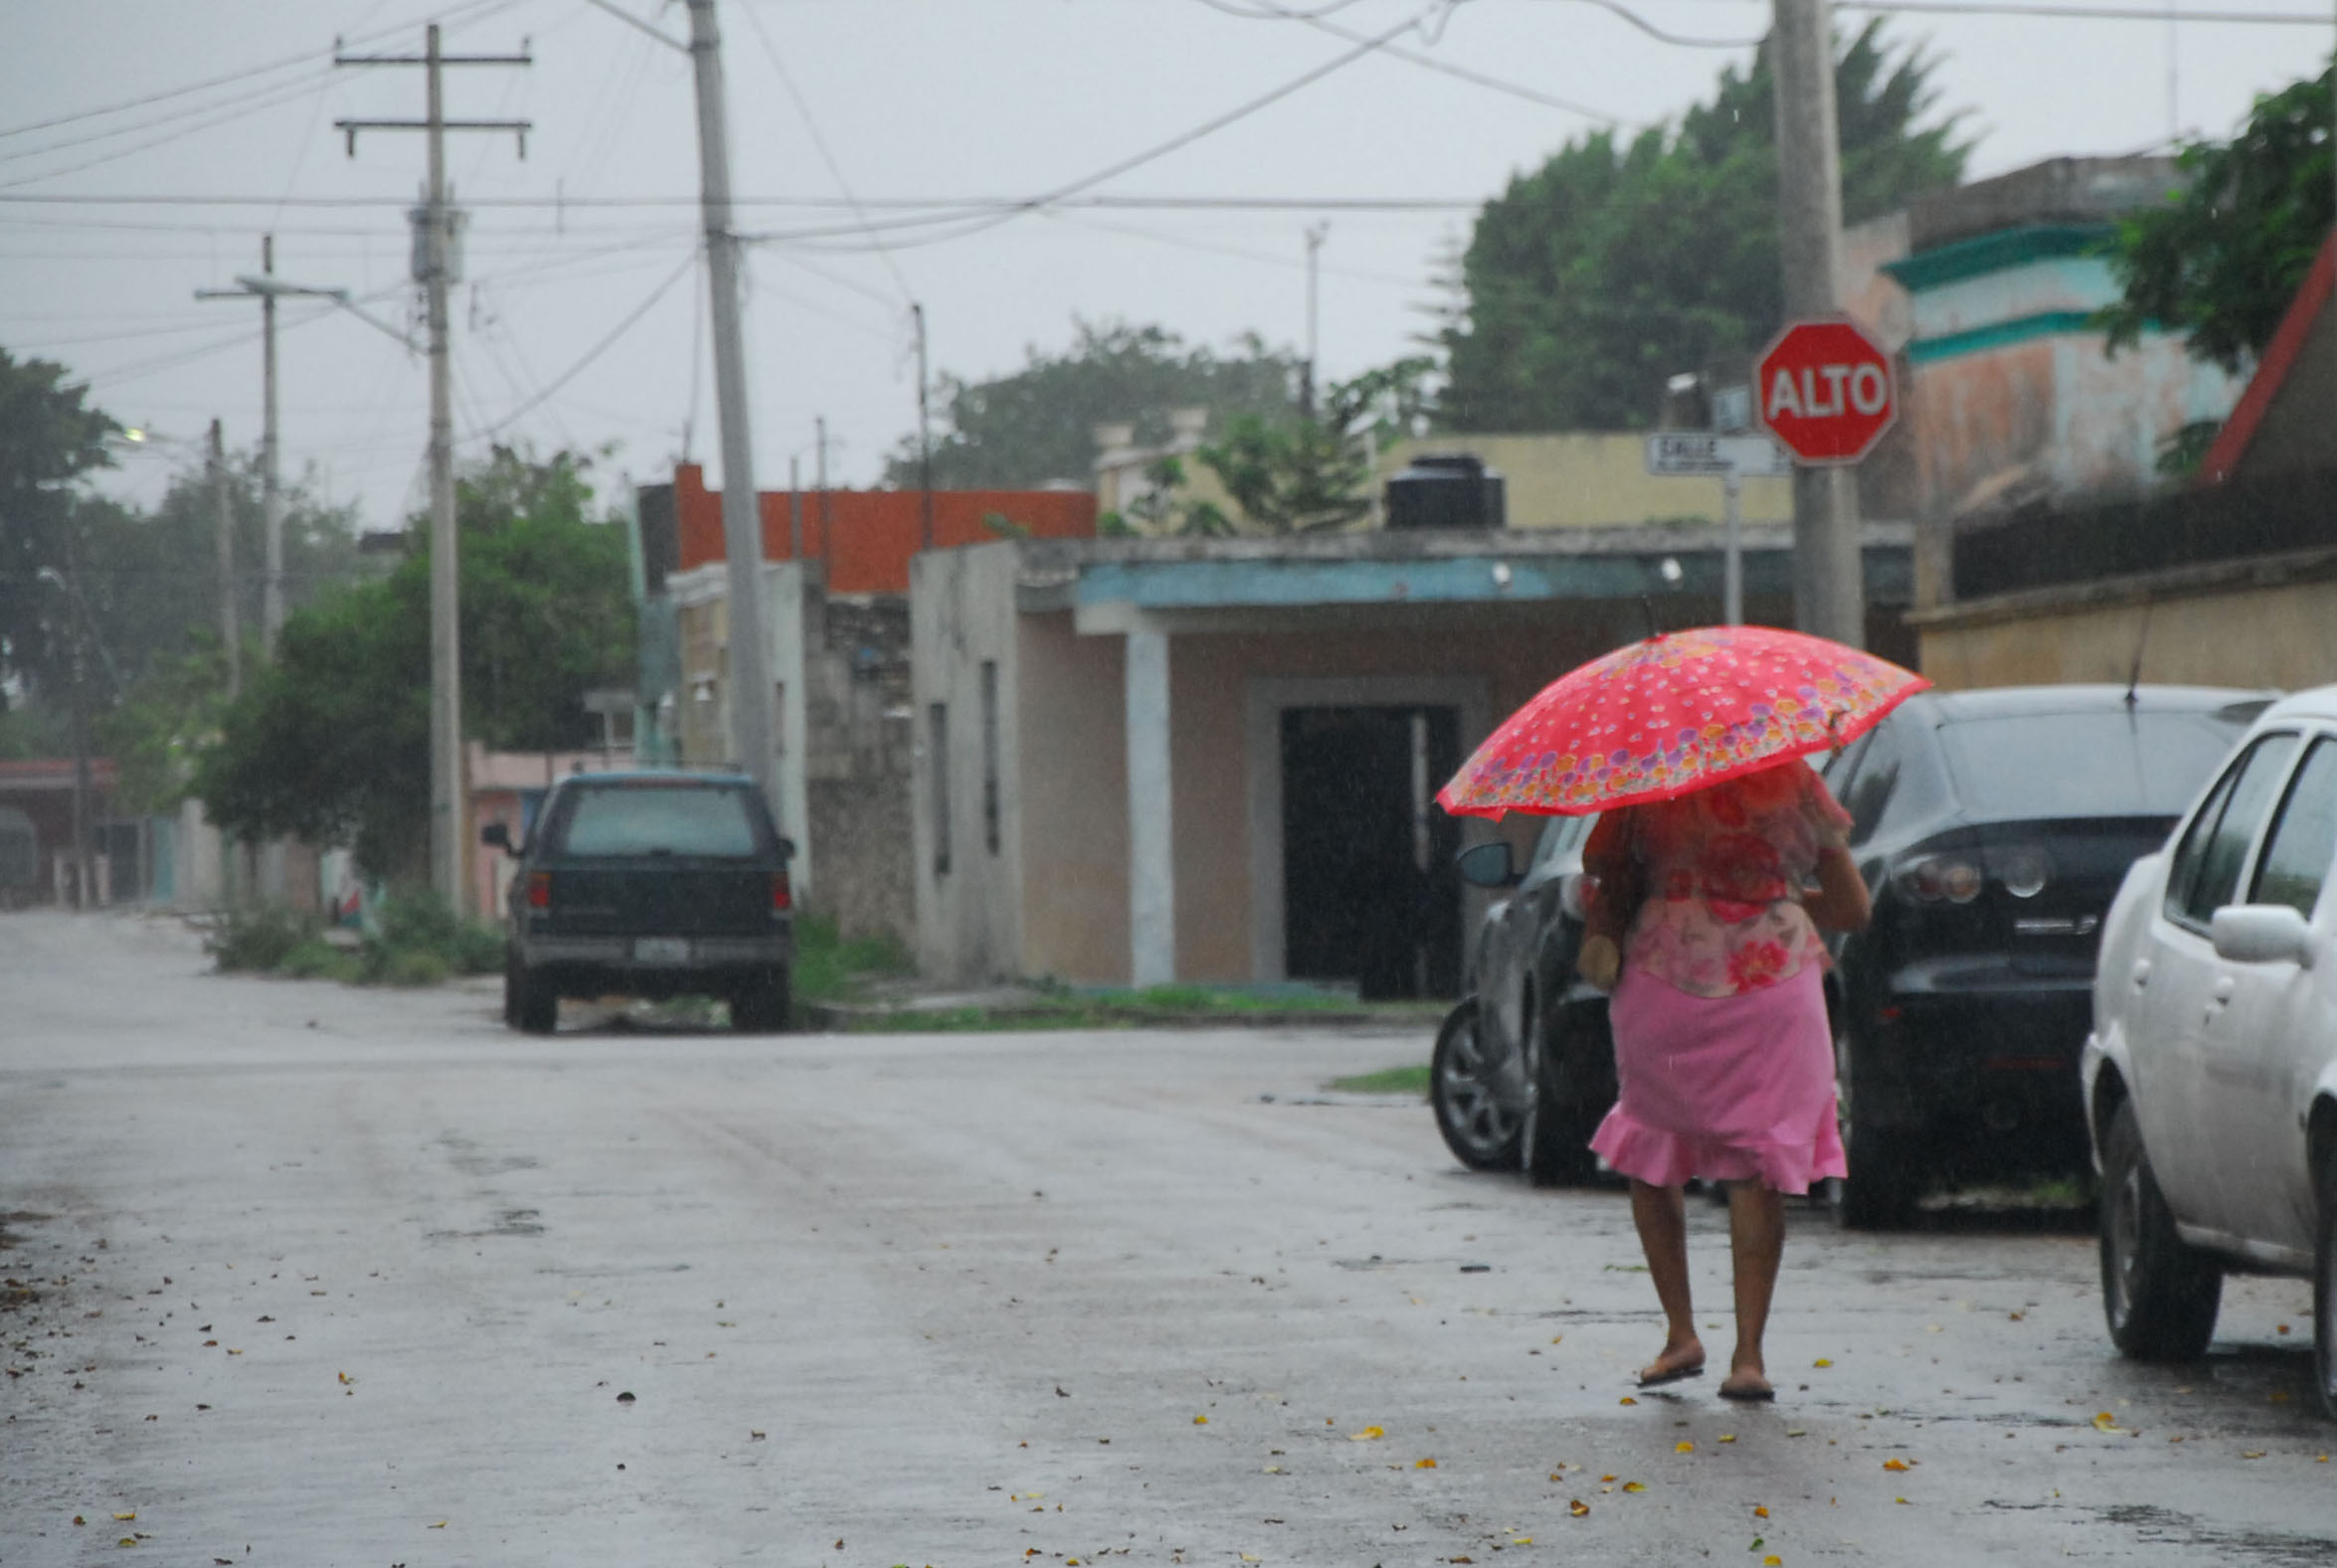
(1584, 481)
(2282, 637)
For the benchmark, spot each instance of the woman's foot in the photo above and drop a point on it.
(1749, 1383)
(1677, 1361)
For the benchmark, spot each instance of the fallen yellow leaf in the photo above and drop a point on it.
(1824, 1360)
(1425, 1464)
(1635, 1486)
(1555, 1338)
(1273, 1470)
(126, 1517)
(1201, 1421)
(1773, 1561)
(127, 1540)
(1521, 1540)
(1727, 1436)
(441, 1525)
(1898, 1499)
(1606, 1478)
(1684, 1447)
(1578, 1508)
(1760, 1514)
(1368, 1435)
(1895, 1464)
(2252, 1453)
(2280, 1328)
(1628, 1400)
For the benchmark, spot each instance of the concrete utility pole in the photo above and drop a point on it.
(1829, 580)
(820, 479)
(436, 267)
(1315, 234)
(231, 618)
(753, 722)
(924, 436)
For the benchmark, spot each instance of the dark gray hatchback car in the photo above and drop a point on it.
(651, 885)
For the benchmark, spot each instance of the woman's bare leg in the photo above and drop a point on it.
(1756, 1243)
(1661, 1213)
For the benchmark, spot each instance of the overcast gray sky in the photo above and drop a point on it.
(579, 322)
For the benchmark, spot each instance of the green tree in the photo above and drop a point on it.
(49, 437)
(2223, 259)
(1314, 475)
(331, 742)
(1036, 424)
(1618, 263)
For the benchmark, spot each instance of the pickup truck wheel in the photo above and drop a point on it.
(1482, 1133)
(2159, 1294)
(2325, 1280)
(1885, 1176)
(531, 1000)
(763, 1006)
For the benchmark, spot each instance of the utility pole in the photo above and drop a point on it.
(826, 541)
(753, 721)
(267, 289)
(924, 436)
(230, 619)
(1829, 580)
(436, 266)
(1315, 234)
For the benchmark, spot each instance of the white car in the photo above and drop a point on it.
(2210, 1075)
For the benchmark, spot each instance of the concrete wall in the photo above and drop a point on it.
(2253, 634)
(963, 615)
(1069, 801)
(1584, 481)
(858, 763)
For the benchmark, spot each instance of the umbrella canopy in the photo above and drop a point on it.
(1675, 713)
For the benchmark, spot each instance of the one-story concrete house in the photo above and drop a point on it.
(1146, 761)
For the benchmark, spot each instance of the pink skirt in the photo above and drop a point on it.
(1726, 1088)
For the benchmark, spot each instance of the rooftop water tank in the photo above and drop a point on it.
(1447, 490)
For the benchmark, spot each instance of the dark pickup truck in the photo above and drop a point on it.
(651, 885)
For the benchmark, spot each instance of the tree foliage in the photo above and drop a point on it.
(1619, 264)
(1314, 475)
(331, 742)
(49, 437)
(1036, 426)
(2223, 262)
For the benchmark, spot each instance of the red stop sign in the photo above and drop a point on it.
(1824, 389)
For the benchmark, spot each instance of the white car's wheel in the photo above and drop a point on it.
(2159, 1294)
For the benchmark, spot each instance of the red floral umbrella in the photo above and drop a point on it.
(1675, 712)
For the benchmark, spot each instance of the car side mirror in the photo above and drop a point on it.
(1489, 866)
(498, 836)
(2261, 934)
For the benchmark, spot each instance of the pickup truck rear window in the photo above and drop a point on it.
(665, 819)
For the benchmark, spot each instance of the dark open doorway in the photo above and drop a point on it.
(1369, 893)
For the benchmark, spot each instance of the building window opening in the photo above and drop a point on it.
(989, 755)
(937, 721)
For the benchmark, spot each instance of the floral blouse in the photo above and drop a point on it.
(1722, 868)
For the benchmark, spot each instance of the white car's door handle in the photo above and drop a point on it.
(2141, 975)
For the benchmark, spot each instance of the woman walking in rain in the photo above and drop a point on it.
(1705, 927)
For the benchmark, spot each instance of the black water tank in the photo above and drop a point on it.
(1447, 490)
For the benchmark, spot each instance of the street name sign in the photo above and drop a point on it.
(1701, 454)
(1825, 389)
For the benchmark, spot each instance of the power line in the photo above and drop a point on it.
(590, 354)
(881, 203)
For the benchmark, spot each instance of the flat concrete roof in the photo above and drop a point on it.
(1421, 569)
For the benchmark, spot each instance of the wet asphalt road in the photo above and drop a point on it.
(301, 1275)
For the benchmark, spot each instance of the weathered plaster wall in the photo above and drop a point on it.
(961, 615)
(1070, 805)
(2282, 637)
(1584, 481)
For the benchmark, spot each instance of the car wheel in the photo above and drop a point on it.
(2158, 1294)
(534, 1000)
(1560, 1110)
(1482, 1133)
(763, 1006)
(1886, 1175)
(2325, 1280)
